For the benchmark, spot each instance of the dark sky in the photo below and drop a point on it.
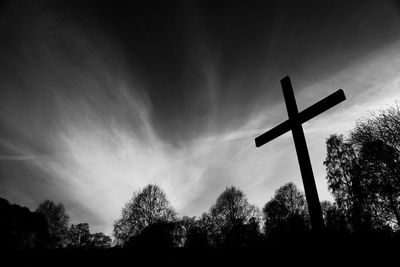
(173, 47)
(99, 98)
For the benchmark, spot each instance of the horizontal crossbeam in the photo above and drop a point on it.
(307, 114)
(273, 133)
(322, 106)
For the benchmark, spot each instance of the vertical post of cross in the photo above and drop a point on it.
(303, 157)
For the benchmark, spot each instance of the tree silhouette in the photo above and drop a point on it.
(378, 142)
(79, 236)
(21, 229)
(380, 170)
(57, 221)
(232, 213)
(232, 208)
(346, 183)
(99, 241)
(160, 234)
(147, 207)
(194, 234)
(384, 126)
(286, 213)
(334, 218)
(208, 225)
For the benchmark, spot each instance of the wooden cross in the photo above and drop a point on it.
(294, 123)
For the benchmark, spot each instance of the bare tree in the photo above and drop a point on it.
(232, 207)
(146, 208)
(235, 220)
(286, 209)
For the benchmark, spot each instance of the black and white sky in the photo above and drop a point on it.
(100, 98)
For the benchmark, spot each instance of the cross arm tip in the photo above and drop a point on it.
(342, 91)
(286, 78)
(341, 94)
(257, 143)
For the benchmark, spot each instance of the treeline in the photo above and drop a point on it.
(46, 228)
(148, 220)
(363, 175)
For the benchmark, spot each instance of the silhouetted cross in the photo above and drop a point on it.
(294, 123)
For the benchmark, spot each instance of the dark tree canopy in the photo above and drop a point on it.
(334, 218)
(232, 208)
(378, 142)
(236, 220)
(80, 237)
(57, 221)
(363, 172)
(147, 207)
(383, 126)
(208, 225)
(341, 166)
(195, 235)
(21, 229)
(286, 211)
(160, 234)
(100, 241)
(347, 184)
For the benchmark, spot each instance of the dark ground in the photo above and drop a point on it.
(350, 251)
